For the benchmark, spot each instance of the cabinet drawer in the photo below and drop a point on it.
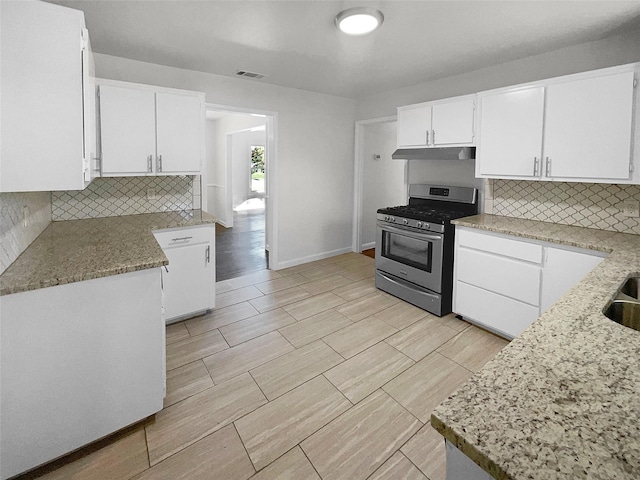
(506, 276)
(502, 315)
(499, 245)
(184, 236)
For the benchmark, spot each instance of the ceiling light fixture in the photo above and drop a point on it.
(359, 20)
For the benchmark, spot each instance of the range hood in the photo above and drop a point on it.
(445, 153)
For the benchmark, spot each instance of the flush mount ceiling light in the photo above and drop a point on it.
(359, 20)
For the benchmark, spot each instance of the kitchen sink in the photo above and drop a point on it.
(625, 309)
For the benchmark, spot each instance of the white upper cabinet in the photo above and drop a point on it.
(47, 123)
(587, 128)
(150, 131)
(511, 132)
(575, 128)
(436, 124)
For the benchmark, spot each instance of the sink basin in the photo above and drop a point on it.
(625, 313)
(631, 288)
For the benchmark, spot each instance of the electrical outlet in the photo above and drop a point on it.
(151, 194)
(631, 208)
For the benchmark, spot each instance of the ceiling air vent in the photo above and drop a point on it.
(243, 73)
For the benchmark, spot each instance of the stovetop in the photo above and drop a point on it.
(428, 213)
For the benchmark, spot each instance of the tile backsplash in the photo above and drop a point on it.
(114, 196)
(591, 205)
(14, 236)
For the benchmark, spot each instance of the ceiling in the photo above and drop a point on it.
(296, 44)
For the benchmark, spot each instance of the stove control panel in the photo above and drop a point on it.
(411, 223)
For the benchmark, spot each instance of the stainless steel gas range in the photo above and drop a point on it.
(414, 245)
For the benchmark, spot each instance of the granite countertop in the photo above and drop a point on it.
(76, 250)
(562, 400)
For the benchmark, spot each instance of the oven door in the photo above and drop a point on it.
(412, 255)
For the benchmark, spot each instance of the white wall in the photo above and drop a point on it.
(616, 50)
(314, 175)
(241, 161)
(383, 182)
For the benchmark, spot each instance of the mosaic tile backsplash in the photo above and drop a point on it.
(14, 236)
(114, 196)
(591, 205)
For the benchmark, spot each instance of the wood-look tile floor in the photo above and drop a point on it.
(304, 373)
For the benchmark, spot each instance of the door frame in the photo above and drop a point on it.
(271, 169)
(358, 177)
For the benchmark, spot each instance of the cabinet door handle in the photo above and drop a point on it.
(149, 165)
(159, 163)
(535, 166)
(207, 256)
(180, 239)
(427, 137)
(548, 166)
(433, 137)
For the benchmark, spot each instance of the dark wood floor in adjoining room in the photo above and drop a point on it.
(240, 249)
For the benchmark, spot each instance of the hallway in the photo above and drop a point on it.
(240, 250)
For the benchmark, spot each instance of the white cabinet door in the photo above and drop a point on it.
(510, 141)
(42, 123)
(179, 126)
(187, 283)
(452, 123)
(562, 270)
(128, 130)
(587, 131)
(414, 126)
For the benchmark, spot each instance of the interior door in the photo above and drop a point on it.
(128, 130)
(180, 121)
(510, 138)
(587, 131)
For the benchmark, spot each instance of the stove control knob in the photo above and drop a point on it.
(405, 221)
(393, 219)
(386, 218)
(426, 225)
(419, 224)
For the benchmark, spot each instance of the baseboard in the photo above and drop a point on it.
(224, 224)
(311, 258)
(367, 246)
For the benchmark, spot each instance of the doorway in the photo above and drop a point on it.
(240, 161)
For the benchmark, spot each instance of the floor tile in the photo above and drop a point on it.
(123, 458)
(452, 321)
(278, 426)
(182, 382)
(355, 444)
(186, 422)
(253, 278)
(401, 315)
(367, 371)
(473, 348)
(217, 456)
(420, 339)
(314, 305)
(426, 450)
(293, 465)
(366, 306)
(293, 369)
(255, 326)
(360, 273)
(279, 299)
(321, 271)
(281, 283)
(359, 336)
(194, 348)
(315, 327)
(236, 296)
(220, 317)
(425, 385)
(176, 331)
(398, 466)
(325, 284)
(224, 286)
(247, 355)
(356, 290)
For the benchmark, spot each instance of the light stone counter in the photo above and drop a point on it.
(562, 400)
(76, 250)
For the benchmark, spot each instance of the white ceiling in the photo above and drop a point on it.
(295, 43)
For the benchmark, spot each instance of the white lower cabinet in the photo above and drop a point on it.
(461, 467)
(504, 283)
(79, 362)
(188, 282)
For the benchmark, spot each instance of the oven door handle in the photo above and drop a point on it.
(408, 233)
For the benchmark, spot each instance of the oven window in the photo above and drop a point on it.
(407, 250)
